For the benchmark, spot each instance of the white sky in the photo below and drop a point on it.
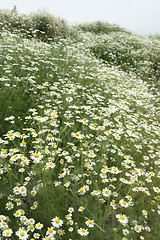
(138, 16)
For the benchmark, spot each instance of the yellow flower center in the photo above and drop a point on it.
(22, 234)
(50, 230)
(123, 202)
(7, 232)
(50, 135)
(83, 230)
(10, 135)
(122, 217)
(56, 220)
(90, 222)
(106, 191)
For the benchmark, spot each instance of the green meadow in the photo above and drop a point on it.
(79, 130)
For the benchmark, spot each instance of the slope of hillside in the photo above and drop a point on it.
(79, 143)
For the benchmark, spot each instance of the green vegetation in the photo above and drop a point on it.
(79, 131)
(100, 28)
(131, 53)
(42, 25)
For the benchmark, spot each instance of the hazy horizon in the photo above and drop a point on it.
(139, 16)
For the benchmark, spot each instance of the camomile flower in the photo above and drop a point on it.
(17, 213)
(10, 135)
(50, 137)
(23, 144)
(9, 205)
(86, 187)
(68, 216)
(60, 232)
(69, 99)
(123, 219)
(83, 231)
(71, 210)
(148, 229)
(39, 225)
(7, 232)
(106, 192)
(23, 191)
(30, 227)
(22, 234)
(70, 222)
(56, 222)
(125, 231)
(31, 221)
(24, 220)
(81, 191)
(50, 165)
(36, 157)
(70, 229)
(138, 228)
(25, 162)
(123, 203)
(90, 223)
(50, 231)
(21, 170)
(36, 235)
(81, 209)
(77, 135)
(156, 189)
(3, 218)
(3, 225)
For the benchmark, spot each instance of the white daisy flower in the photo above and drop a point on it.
(7, 232)
(106, 192)
(123, 219)
(22, 234)
(90, 223)
(56, 222)
(39, 225)
(83, 231)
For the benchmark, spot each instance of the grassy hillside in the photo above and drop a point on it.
(79, 134)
